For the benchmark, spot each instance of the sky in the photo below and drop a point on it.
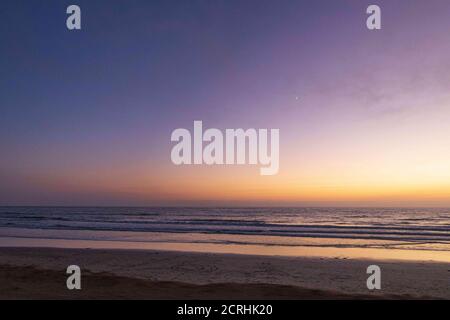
(86, 116)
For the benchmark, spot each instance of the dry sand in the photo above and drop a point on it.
(31, 273)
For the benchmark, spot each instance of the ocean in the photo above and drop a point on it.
(415, 225)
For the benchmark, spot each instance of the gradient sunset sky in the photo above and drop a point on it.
(86, 116)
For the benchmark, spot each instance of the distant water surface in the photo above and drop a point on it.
(429, 225)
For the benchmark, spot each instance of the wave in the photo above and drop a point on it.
(412, 224)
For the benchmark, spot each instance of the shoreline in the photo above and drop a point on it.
(227, 244)
(39, 273)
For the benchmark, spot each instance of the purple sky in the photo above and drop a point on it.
(86, 116)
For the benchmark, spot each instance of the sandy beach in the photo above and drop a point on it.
(39, 273)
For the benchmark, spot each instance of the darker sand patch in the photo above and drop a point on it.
(27, 282)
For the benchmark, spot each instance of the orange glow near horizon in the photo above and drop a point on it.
(219, 183)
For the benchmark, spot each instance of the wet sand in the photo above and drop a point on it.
(39, 273)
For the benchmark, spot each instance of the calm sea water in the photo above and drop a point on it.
(413, 224)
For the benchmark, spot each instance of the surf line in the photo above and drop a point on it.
(229, 148)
